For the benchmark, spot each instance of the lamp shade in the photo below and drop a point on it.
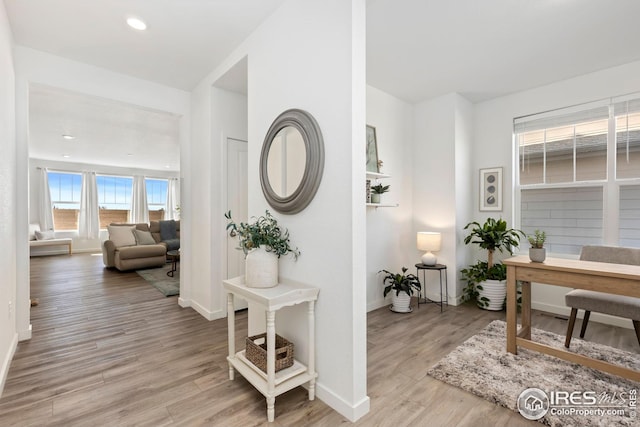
(429, 241)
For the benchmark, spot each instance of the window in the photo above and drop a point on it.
(579, 174)
(156, 198)
(114, 198)
(65, 189)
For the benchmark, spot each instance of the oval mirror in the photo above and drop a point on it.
(292, 161)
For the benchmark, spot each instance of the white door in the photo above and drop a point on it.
(237, 189)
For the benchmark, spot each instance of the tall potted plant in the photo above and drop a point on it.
(403, 286)
(263, 243)
(486, 281)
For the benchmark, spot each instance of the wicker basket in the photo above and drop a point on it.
(257, 353)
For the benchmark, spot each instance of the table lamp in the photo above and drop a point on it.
(429, 241)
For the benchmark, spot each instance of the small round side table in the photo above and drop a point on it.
(442, 269)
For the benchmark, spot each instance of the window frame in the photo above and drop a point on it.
(611, 185)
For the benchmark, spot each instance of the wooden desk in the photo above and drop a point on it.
(595, 276)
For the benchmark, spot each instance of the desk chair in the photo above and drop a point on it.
(615, 305)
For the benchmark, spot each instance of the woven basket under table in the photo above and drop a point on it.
(257, 353)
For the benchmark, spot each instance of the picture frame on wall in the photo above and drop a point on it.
(491, 189)
(372, 150)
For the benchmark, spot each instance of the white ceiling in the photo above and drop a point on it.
(416, 50)
(106, 132)
(420, 49)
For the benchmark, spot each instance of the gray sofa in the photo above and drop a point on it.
(127, 249)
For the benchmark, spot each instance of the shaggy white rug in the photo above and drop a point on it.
(482, 366)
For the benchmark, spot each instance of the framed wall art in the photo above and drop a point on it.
(491, 189)
(372, 150)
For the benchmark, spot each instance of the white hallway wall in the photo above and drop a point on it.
(493, 145)
(8, 200)
(33, 66)
(321, 70)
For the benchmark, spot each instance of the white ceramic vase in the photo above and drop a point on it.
(495, 291)
(261, 269)
(400, 302)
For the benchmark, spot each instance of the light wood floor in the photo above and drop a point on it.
(108, 349)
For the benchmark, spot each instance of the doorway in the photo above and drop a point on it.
(237, 201)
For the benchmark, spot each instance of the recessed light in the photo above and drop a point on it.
(136, 24)
(67, 136)
(167, 166)
(66, 156)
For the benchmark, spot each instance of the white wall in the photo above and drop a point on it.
(390, 240)
(493, 144)
(440, 176)
(8, 201)
(33, 66)
(308, 55)
(79, 245)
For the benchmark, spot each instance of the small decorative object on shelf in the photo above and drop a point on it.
(263, 243)
(377, 190)
(368, 191)
(537, 252)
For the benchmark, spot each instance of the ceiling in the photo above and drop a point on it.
(105, 132)
(416, 50)
(420, 49)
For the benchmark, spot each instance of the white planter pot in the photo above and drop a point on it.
(537, 254)
(375, 198)
(400, 302)
(261, 269)
(495, 291)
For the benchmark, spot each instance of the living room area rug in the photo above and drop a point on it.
(576, 395)
(157, 277)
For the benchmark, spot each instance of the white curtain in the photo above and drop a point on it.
(173, 199)
(89, 218)
(139, 207)
(45, 212)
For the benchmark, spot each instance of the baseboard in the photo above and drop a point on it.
(184, 303)
(209, 315)
(6, 362)
(595, 317)
(377, 304)
(25, 335)
(351, 412)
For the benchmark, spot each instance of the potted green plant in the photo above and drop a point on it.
(486, 281)
(263, 242)
(377, 190)
(537, 252)
(403, 285)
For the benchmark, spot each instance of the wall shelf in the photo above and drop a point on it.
(376, 175)
(383, 205)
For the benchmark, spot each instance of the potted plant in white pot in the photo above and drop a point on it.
(403, 285)
(263, 243)
(486, 281)
(537, 252)
(377, 191)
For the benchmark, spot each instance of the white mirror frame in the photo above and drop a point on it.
(314, 163)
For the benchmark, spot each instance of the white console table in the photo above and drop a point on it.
(271, 383)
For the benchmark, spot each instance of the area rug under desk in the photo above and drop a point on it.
(157, 277)
(482, 366)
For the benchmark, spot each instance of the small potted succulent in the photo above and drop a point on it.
(537, 252)
(376, 191)
(403, 285)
